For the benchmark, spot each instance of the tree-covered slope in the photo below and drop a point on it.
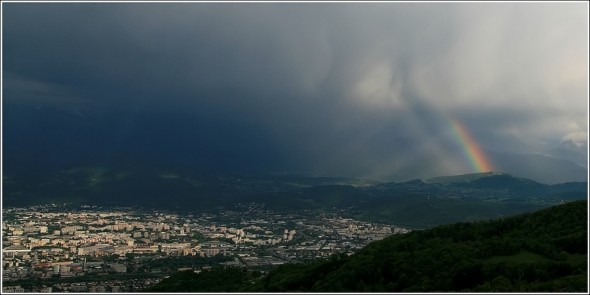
(215, 280)
(541, 251)
(544, 251)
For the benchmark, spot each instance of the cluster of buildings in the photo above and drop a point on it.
(53, 243)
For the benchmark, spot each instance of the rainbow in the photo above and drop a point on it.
(473, 152)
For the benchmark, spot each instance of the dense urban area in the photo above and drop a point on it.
(62, 248)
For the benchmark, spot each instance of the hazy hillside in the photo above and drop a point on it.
(544, 251)
(541, 168)
(414, 204)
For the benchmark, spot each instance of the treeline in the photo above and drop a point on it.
(215, 280)
(172, 263)
(545, 251)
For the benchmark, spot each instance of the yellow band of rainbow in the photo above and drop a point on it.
(477, 158)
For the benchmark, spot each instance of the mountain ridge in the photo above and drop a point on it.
(485, 196)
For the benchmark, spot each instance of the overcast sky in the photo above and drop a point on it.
(331, 89)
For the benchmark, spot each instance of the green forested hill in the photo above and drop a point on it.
(544, 251)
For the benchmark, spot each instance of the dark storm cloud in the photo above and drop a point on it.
(349, 89)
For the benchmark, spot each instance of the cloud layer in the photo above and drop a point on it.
(347, 89)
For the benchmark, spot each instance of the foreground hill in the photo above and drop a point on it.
(544, 251)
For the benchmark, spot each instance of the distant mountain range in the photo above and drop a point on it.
(415, 204)
(48, 139)
(541, 168)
